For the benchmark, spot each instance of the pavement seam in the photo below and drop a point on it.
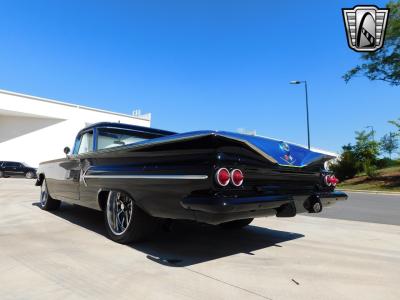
(227, 283)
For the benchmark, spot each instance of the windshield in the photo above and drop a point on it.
(114, 137)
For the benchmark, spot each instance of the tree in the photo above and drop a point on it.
(397, 124)
(346, 166)
(366, 150)
(389, 143)
(383, 64)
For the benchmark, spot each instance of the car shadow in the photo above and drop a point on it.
(185, 243)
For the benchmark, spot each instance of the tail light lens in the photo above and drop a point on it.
(237, 177)
(331, 180)
(222, 177)
(334, 180)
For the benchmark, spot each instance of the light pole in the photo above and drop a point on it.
(308, 118)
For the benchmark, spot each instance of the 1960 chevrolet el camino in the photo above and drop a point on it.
(139, 176)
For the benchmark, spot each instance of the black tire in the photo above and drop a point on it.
(1, 174)
(46, 202)
(237, 224)
(29, 175)
(139, 225)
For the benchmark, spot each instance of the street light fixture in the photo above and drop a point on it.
(308, 119)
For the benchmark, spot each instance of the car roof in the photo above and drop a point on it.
(127, 126)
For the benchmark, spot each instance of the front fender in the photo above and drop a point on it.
(39, 179)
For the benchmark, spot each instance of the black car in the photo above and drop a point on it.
(16, 169)
(138, 176)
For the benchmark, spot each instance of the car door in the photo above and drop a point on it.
(10, 168)
(68, 189)
(19, 169)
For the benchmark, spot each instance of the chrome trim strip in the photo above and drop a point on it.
(83, 175)
(184, 177)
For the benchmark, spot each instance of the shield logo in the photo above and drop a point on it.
(365, 27)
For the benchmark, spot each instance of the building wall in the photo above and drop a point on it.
(35, 129)
(12, 127)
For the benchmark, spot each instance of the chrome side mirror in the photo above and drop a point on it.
(67, 150)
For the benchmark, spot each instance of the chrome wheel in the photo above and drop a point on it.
(29, 175)
(43, 194)
(119, 212)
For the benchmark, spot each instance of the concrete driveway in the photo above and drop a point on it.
(65, 255)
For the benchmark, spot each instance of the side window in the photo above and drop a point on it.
(86, 143)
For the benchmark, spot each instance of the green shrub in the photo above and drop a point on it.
(386, 163)
(371, 170)
(347, 166)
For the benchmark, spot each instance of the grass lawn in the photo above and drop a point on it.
(388, 179)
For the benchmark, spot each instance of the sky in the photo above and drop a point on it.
(198, 65)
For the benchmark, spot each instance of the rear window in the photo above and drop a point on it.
(115, 137)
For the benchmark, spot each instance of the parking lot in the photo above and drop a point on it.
(65, 255)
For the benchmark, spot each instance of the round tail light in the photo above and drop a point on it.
(237, 177)
(334, 181)
(327, 180)
(223, 177)
(331, 180)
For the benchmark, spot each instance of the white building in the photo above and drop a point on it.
(34, 129)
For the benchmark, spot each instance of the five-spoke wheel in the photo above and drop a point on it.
(46, 202)
(119, 212)
(125, 221)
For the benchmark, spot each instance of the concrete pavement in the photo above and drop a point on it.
(66, 256)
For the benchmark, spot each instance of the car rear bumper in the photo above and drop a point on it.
(215, 210)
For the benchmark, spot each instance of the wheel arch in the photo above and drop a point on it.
(102, 196)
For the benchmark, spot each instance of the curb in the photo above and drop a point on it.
(370, 192)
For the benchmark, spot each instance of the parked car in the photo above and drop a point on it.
(138, 176)
(16, 169)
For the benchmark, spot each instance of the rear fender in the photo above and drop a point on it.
(102, 196)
